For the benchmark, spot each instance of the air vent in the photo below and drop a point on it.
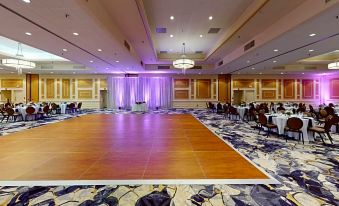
(197, 67)
(163, 52)
(199, 52)
(126, 44)
(160, 30)
(164, 67)
(131, 75)
(220, 63)
(249, 45)
(213, 30)
(278, 68)
(310, 68)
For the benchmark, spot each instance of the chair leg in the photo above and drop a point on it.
(322, 139)
(302, 136)
(329, 137)
(268, 132)
(260, 129)
(285, 134)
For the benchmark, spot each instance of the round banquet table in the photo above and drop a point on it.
(281, 121)
(63, 108)
(139, 107)
(22, 110)
(241, 111)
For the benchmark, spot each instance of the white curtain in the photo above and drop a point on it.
(126, 91)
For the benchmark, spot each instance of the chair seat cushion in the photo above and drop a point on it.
(271, 125)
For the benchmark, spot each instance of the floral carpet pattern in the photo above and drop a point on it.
(308, 173)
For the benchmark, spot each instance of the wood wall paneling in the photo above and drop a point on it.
(103, 84)
(35, 87)
(307, 89)
(181, 83)
(222, 88)
(50, 94)
(289, 88)
(12, 83)
(203, 88)
(85, 83)
(334, 88)
(181, 94)
(58, 88)
(66, 88)
(243, 83)
(268, 94)
(85, 94)
(42, 87)
(268, 83)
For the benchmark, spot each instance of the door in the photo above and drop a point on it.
(6, 95)
(103, 99)
(249, 96)
(237, 96)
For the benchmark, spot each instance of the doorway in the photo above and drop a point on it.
(103, 99)
(238, 96)
(6, 95)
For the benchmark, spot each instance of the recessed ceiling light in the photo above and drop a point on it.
(171, 35)
(27, 1)
(28, 33)
(201, 35)
(275, 50)
(65, 50)
(248, 61)
(73, 72)
(99, 50)
(91, 61)
(303, 73)
(210, 17)
(117, 61)
(75, 34)
(260, 73)
(253, 68)
(274, 61)
(282, 73)
(172, 17)
(52, 72)
(107, 68)
(311, 50)
(199, 72)
(313, 34)
(12, 72)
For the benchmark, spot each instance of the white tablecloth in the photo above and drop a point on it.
(241, 111)
(139, 107)
(22, 110)
(63, 108)
(281, 122)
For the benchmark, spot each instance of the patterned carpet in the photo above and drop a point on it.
(308, 173)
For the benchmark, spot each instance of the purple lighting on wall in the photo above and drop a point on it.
(126, 91)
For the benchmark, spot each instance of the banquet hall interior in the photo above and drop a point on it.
(169, 102)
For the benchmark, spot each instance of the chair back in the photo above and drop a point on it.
(71, 105)
(54, 106)
(10, 111)
(323, 113)
(30, 110)
(46, 109)
(262, 119)
(295, 123)
(79, 105)
(329, 110)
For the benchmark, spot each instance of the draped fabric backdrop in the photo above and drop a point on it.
(125, 91)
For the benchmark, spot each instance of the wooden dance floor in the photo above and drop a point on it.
(121, 147)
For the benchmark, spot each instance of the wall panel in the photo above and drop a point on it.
(289, 88)
(181, 94)
(50, 94)
(12, 83)
(268, 94)
(308, 89)
(181, 83)
(66, 88)
(268, 83)
(85, 83)
(203, 88)
(334, 88)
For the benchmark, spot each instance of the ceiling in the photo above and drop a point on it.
(116, 40)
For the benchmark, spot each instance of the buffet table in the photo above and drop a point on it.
(139, 107)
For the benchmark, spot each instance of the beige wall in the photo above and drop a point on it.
(15, 86)
(68, 88)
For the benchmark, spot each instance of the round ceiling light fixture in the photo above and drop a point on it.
(183, 63)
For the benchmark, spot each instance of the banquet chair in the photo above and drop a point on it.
(233, 112)
(321, 131)
(55, 109)
(30, 111)
(322, 116)
(264, 123)
(294, 124)
(8, 113)
(45, 111)
(70, 108)
(78, 108)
